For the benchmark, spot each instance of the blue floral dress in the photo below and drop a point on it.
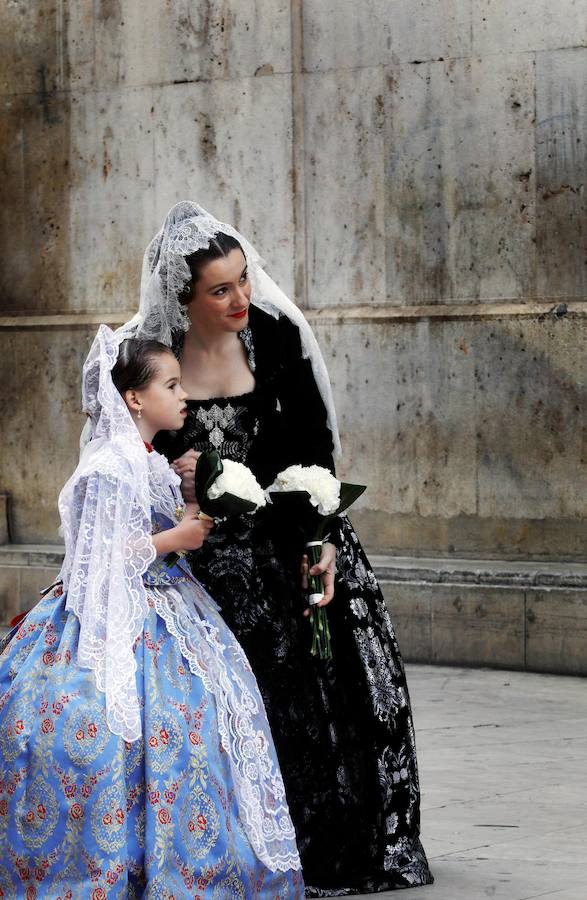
(85, 814)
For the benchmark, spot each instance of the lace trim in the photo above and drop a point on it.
(214, 655)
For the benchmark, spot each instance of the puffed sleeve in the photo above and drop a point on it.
(309, 439)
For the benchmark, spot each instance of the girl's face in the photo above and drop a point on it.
(162, 400)
(221, 295)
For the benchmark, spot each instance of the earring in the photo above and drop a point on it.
(139, 413)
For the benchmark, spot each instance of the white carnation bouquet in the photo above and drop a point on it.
(311, 496)
(223, 488)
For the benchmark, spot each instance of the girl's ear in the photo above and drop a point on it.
(132, 400)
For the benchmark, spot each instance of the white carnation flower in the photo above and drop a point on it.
(320, 484)
(237, 479)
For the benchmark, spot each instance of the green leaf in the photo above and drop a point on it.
(208, 468)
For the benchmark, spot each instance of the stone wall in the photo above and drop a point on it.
(414, 173)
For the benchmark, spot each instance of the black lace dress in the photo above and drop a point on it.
(342, 728)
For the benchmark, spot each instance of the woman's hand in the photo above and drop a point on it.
(185, 466)
(326, 568)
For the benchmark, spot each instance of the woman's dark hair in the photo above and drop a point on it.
(219, 247)
(136, 366)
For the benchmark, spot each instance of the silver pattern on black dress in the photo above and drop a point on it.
(342, 728)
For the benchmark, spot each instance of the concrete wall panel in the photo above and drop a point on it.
(34, 203)
(516, 26)
(31, 46)
(238, 165)
(345, 207)
(40, 423)
(154, 43)
(344, 34)
(112, 201)
(460, 180)
(561, 173)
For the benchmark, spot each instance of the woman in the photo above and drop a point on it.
(258, 392)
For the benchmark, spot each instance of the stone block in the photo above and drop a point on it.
(405, 400)
(112, 208)
(9, 593)
(465, 433)
(345, 212)
(409, 606)
(561, 163)
(516, 26)
(34, 211)
(460, 180)
(31, 47)
(237, 165)
(33, 580)
(4, 521)
(40, 422)
(556, 632)
(477, 626)
(530, 449)
(341, 34)
(137, 44)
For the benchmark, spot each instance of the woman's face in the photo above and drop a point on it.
(222, 294)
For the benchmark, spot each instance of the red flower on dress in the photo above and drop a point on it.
(92, 730)
(47, 726)
(107, 819)
(98, 894)
(164, 817)
(19, 726)
(153, 742)
(119, 816)
(31, 892)
(202, 822)
(76, 811)
(3, 807)
(48, 658)
(41, 811)
(164, 736)
(195, 738)
(154, 797)
(30, 816)
(80, 734)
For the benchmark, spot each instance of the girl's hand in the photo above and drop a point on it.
(192, 532)
(185, 466)
(325, 567)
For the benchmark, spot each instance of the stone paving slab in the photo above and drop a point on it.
(503, 769)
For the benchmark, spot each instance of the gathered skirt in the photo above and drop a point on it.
(83, 813)
(342, 727)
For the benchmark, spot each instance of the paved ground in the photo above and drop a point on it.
(503, 770)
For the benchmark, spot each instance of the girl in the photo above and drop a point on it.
(135, 755)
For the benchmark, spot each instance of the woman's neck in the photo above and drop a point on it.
(209, 343)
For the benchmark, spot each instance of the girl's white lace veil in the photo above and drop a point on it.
(106, 525)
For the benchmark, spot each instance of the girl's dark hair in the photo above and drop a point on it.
(219, 246)
(136, 366)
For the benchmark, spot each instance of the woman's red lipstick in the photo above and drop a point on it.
(239, 315)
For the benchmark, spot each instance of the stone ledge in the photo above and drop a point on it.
(479, 571)
(462, 612)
